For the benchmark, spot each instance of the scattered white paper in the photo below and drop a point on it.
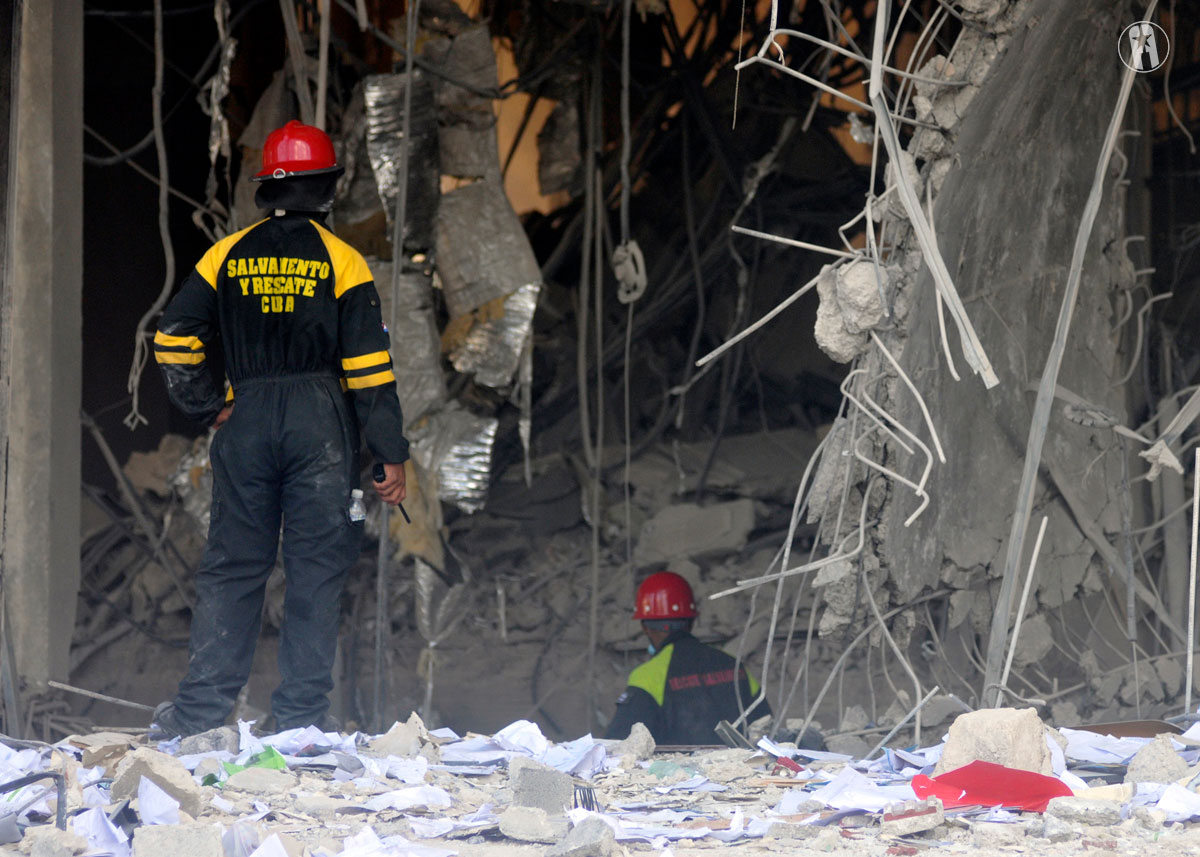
(155, 805)
(698, 783)
(272, 846)
(851, 790)
(445, 733)
(430, 828)
(1084, 746)
(583, 757)
(424, 797)
(525, 737)
(1178, 803)
(104, 839)
(222, 804)
(411, 771)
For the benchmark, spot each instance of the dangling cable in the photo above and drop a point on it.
(382, 622)
(141, 349)
(626, 146)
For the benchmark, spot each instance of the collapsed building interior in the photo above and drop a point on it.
(673, 292)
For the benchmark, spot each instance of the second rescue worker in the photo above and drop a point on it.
(307, 358)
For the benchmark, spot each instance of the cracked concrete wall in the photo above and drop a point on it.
(1008, 212)
(1011, 164)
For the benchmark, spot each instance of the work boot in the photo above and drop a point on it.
(269, 725)
(167, 723)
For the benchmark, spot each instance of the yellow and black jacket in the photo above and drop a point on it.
(682, 692)
(288, 298)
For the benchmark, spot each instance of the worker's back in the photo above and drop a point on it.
(683, 692)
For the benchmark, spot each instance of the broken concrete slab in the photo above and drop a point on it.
(102, 748)
(540, 786)
(532, 824)
(1157, 762)
(909, 817)
(688, 530)
(1059, 829)
(1015, 738)
(1081, 810)
(991, 834)
(640, 743)
(590, 838)
(403, 739)
(164, 771)
(860, 289)
(830, 331)
(201, 839)
(221, 738)
(48, 841)
(261, 781)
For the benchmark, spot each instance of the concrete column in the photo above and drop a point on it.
(42, 366)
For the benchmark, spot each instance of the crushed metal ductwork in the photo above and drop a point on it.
(457, 445)
(482, 251)
(416, 353)
(560, 146)
(492, 349)
(192, 481)
(466, 120)
(384, 99)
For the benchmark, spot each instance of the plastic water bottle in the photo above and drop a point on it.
(358, 510)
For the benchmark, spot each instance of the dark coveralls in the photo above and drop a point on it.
(300, 327)
(682, 692)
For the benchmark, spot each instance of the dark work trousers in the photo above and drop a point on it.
(289, 451)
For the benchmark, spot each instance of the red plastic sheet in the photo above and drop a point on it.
(988, 784)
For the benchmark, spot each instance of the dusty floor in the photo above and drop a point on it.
(410, 792)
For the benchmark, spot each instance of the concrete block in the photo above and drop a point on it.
(530, 824)
(912, 816)
(205, 767)
(1011, 737)
(686, 529)
(221, 738)
(48, 841)
(403, 739)
(991, 834)
(536, 785)
(831, 334)
(640, 743)
(261, 781)
(1083, 810)
(858, 292)
(851, 745)
(166, 772)
(1157, 762)
(1149, 819)
(1060, 830)
(181, 840)
(591, 838)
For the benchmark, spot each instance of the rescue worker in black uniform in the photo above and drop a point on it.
(688, 687)
(306, 354)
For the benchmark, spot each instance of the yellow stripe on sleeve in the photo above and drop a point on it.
(179, 357)
(375, 358)
(169, 341)
(371, 380)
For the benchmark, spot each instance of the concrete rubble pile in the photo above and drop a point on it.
(1013, 783)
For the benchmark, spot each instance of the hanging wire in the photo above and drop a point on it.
(382, 621)
(141, 337)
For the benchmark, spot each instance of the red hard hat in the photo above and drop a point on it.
(665, 595)
(296, 149)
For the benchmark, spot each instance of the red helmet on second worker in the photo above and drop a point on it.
(665, 595)
(296, 149)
